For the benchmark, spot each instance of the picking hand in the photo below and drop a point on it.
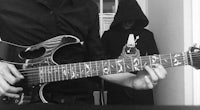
(9, 75)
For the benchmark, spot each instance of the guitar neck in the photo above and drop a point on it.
(105, 67)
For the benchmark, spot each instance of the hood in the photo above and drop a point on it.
(129, 10)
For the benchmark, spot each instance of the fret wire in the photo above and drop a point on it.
(40, 74)
(77, 68)
(90, 69)
(45, 74)
(140, 62)
(85, 69)
(67, 72)
(185, 58)
(112, 66)
(80, 69)
(96, 68)
(102, 67)
(63, 77)
(55, 71)
(128, 65)
(58, 70)
(85, 73)
(48, 79)
(132, 63)
(171, 59)
(70, 71)
(124, 65)
(73, 75)
(150, 63)
(181, 59)
(51, 74)
(46, 70)
(88, 72)
(48, 74)
(109, 65)
(76, 75)
(73, 71)
(116, 65)
(160, 59)
(62, 71)
(88, 65)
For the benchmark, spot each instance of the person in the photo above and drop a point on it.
(30, 22)
(129, 21)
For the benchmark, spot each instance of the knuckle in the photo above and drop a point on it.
(13, 81)
(6, 89)
(3, 92)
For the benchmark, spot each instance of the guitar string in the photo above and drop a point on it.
(52, 78)
(30, 70)
(35, 77)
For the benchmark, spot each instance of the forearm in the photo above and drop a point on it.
(124, 79)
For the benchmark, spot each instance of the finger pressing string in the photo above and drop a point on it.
(148, 82)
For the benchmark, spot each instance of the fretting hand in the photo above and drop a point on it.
(149, 77)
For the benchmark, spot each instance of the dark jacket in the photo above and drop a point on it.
(29, 22)
(116, 38)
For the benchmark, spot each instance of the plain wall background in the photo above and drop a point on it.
(171, 26)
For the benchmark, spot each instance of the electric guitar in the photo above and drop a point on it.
(40, 65)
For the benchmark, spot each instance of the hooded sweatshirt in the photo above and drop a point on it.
(116, 38)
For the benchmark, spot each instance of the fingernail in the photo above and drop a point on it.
(16, 96)
(21, 76)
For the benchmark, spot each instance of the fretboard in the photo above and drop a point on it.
(105, 67)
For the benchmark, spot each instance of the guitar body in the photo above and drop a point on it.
(55, 51)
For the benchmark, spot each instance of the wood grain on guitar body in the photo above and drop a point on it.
(40, 65)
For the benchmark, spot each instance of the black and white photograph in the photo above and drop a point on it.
(99, 54)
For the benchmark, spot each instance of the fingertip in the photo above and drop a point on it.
(148, 82)
(21, 76)
(20, 88)
(16, 96)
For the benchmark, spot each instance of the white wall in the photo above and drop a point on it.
(170, 23)
(143, 4)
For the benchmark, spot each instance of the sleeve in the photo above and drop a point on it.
(151, 44)
(93, 41)
(105, 42)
